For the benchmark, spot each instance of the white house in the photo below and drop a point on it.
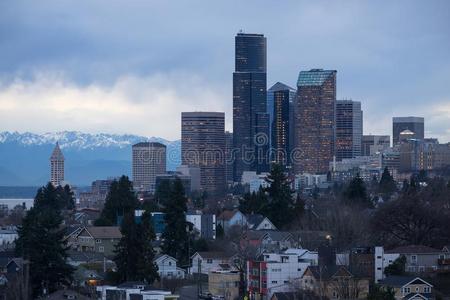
(167, 267)
(259, 222)
(210, 261)
(382, 260)
(280, 272)
(229, 218)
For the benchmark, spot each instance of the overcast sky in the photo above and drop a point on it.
(133, 66)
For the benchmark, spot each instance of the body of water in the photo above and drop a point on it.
(11, 202)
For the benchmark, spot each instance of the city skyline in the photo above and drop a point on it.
(189, 68)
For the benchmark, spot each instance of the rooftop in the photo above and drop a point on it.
(57, 153)
(414, 249)
(314, 77)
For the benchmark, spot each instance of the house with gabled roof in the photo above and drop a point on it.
(419, 258)
(208, 261)
(408, 287)
(259, 222)
(334, 282)
(230, 218)
(98, 239)
(167, 267)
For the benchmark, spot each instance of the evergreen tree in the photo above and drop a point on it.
(162, 193)
(254, 203)
(219, 231)
(175, 235)
(281, 207)
(41, 242)
(356, 194)
(387, 184)
(120, 200)
(128, 249)
(134, 252)
(148, 270)
(378, 293)
(397, 267)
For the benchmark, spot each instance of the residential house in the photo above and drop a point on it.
(278, 272)
(268, 240)
(208, 262)
(419, 259)
(167, 267)
(444, 259)
(334, 282)
(224, 283)
(230, 218)
(203, 224)
(98, 239)
(259, 222)
(66, 294)
(408, 287)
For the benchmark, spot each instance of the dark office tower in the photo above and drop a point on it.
(203, 146)
(349, 129)
(280, 100)
(375, 143)
(250, 118)
(314, 121)
(413, 124)
(229, 157)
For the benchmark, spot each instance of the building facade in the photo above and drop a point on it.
(250, 119)
(57, 166)
(413, 124)
(349, 129)
(280, 105)
(374, 143)
(203, 146)
(314, 121)
(229, 159)
(149, 160)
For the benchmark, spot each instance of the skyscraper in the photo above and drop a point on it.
(228, 157)
(314, 121)
(149, 160)
(349, 129)
(203, 146)
(57, 166)
(250, 118)
(375, 143)
(413, 124)
(280, 105)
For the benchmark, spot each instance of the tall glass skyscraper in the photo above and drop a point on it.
(314, 121)
(349, 129)
(250, 118)
(280, 106)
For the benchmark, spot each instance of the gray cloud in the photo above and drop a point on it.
(391, 55)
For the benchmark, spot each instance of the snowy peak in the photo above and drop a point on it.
(77, 140)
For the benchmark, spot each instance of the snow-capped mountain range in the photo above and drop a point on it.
(77, 139)
(24, 157)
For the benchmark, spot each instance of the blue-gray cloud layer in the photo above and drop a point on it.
(391, 55)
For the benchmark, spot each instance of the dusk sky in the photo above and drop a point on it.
(134, 66)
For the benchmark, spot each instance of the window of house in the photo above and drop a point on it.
(209, 261)
(427, 289)
(101, 249)
(274, 281)
(414, 258)
(170, 263)
(421, 269)
(335, 294)
(417, 289)
(98, 241)
(406, 290)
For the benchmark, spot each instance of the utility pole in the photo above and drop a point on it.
(199, 286)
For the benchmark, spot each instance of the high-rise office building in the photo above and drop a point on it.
(374, 143)
(250, 118)
(349, 129)
(203, 146)
(413, 124)
(280, 105)
(314, 121)
(57, 166)
(149, 160)
(229, 157)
